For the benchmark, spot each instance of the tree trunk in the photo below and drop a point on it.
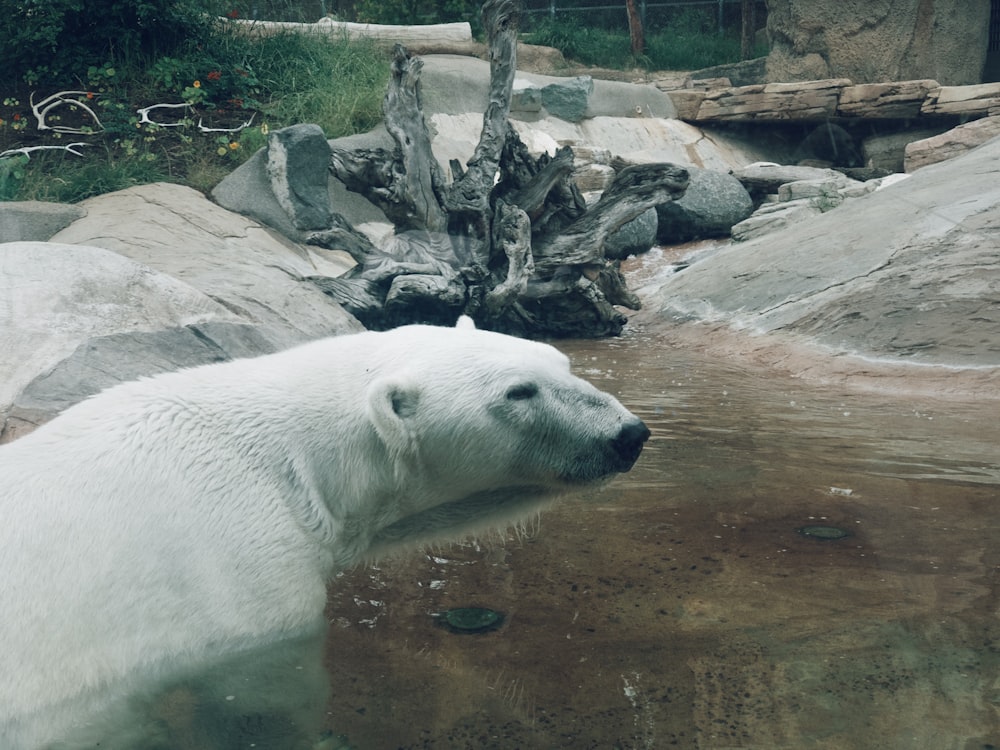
(635, 28)
(748, 11)
(521, 253)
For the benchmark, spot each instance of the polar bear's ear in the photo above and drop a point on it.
(392, 402)
(465, 323)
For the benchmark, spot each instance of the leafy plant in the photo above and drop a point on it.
(417, 11)
(52, 40)
(688, 42)
(223, 92)
(11, 175)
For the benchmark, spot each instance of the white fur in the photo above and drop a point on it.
(198, 513)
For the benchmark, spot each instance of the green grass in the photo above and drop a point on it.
(278, 81)
(228, 78)
(688, 44)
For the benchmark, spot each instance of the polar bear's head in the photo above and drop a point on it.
(484, 427)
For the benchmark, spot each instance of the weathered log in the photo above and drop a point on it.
(363, 299)
(468, 199)
(342, 236)
(543, 187)
(425, 297)
(635, 189)
(421, 175)
(374, 174)
(521, 254)
(512, 234)
(563, 306)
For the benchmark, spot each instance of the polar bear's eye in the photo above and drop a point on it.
(522, 392)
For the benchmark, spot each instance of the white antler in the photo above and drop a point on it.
(46, 105)
(237, 129)
(27, 149)
(144, 114)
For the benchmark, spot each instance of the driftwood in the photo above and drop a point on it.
(508, 240)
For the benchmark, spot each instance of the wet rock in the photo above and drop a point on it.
(712, 204)
(634, 237)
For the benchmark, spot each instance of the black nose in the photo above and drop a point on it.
(628, 443)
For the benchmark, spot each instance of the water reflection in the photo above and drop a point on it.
(680, 606)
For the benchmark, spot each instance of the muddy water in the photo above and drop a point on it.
(682, 606)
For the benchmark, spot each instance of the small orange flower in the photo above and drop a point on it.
(233, 145)
(197, 84)
(17, 116)
(90, 94)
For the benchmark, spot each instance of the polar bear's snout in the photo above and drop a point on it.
(628, 444)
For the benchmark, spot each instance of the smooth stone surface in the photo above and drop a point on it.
(908, 272)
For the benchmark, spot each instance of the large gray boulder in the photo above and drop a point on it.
(77, 319)
(889, 40)
(150, 279)
(906, 273)
(288, 186)
(568, 98)
(253, 271)
(712, 204)
(633, 237)
(298, 168)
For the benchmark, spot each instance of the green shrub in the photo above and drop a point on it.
(686, 40)
(418, 11)
(45, 41)
(225, 78)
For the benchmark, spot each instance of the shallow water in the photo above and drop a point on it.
(681, 606)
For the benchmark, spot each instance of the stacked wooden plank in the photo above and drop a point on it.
(715, 101)
(808, 100)
(980, 100)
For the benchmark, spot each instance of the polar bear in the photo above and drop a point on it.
(201, 513)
